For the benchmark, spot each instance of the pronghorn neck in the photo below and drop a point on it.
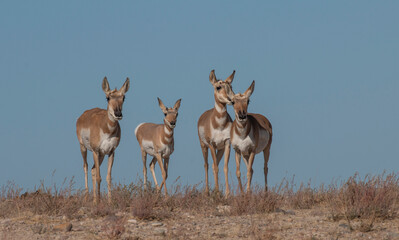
(111, 122)
(242, 128)
(220, 118)
(220, 107)
(167, 137)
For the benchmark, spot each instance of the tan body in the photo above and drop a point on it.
(157, 140)
(214, 130)
(250, 135)
(98, 131)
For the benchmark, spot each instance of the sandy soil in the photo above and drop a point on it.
(309, 224)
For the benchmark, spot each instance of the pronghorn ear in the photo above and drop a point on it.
(164, 110)
(212, 77)
(229, 80)
(250, 90)
(105, 85)
(177, 104)
(125, 86)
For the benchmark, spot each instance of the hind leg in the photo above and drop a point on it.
(144, 158)
(206, 166)
(266, 154)
(152, 168)
(83, 150)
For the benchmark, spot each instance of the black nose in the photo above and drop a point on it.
(118, 113)
(242, 115)
(172, 123)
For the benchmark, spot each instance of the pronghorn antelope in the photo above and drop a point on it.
(214, 129)
(98, 131)
(157, 141)
(250, 134)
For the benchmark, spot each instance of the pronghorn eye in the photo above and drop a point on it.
(248, 101)
(107, 99)
(218, 88)
(123, 98)
(232, 102)
(165, 114)
(177, 114)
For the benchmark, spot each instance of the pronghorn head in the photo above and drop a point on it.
(240, 102)
(170, 113)
(115, 98)
(223, 91)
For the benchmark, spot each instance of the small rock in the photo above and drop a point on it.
(223, 209)
(157, 224)
(393, 235)
(65, 227)
(285, 212)
(132, 221)
(38, 228)
(160, 232)
(343, 225)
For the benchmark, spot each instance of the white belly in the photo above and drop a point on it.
(164, 150)
(107, 143)
(245, 144)
(219, 136)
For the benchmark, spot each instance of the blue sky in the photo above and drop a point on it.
(326, 76)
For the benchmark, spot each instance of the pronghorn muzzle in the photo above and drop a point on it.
(118, 114)
(242, 115)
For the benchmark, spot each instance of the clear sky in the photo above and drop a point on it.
(326, 76)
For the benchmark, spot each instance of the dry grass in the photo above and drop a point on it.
(361, 201)
(366, 200)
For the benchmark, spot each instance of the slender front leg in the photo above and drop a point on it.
(205, 154)
(266, 154)
(215, 167)
(250, 171)
(83, 150)
(152, 168)
(109, 178)
(226, 165)
(144, 158)
(238, 172)
(166, 166)
(159, 159)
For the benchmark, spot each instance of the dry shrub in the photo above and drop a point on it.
(46, 200)
(304, 197)
(367, 199)
(258, 201)
(8, 195)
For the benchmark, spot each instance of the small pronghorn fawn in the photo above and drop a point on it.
(157, 141)
(98, 130)
(250, 134)
(214, 129)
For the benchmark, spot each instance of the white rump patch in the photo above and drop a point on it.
(137, 128)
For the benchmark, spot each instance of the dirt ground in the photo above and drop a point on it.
(309, 224)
